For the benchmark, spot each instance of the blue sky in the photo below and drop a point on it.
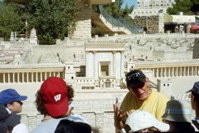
(129, 2)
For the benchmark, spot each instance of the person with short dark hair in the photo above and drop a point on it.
(52, 101)
(11, 104)
(194, 95)
(139, 97)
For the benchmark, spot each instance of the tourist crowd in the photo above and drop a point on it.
(142, 110)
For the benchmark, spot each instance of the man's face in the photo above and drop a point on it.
(15, 107)
(141, 91)
(192, 101)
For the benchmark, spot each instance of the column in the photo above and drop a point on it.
(188, 73)
(181, 72)
(153, 70)
(45, 75)
(169, 72)
(4, 79)
(18, 77)
(41, 77)
(59, 74)
(192, 71)
(90, 64)
(178, 72)
(174, 71)
(159, 72)
(122, 64)
(184, 71)
(114, 63)
(36, 75)
(27, 76)
(162, 72)
(32, 76)
(95, 65)
(8, 77)
(13, 77)
(22, 77)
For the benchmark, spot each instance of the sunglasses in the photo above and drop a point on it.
(138, 86)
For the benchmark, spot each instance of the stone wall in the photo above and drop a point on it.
(149, 23)
(83, 26)
(196, 49)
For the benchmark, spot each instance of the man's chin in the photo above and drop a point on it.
(142, 98)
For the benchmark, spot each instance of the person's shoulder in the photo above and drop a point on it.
(48, 126)
(160, 95)
(20, 128)
(9, 118)
(128, 95)
(76, 118)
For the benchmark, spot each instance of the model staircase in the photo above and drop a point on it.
(111, 25)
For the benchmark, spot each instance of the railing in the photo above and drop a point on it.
(120, 22)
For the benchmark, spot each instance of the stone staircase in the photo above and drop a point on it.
(112, 25)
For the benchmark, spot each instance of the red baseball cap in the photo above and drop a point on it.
(54, 92)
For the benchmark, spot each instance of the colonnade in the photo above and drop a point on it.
(174, 71)
(27, 77)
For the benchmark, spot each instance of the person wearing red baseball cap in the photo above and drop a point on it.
(52, 100)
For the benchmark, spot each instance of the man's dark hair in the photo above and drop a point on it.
(67, 126)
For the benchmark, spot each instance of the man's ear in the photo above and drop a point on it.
(147, 81)
(9, 106)
(193, 102)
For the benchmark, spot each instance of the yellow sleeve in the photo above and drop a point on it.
(162, 107)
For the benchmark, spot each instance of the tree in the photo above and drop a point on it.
(12, 19)
(184, 6)
(52, 19)
(115, 9)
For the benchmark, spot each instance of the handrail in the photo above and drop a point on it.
(120, 22)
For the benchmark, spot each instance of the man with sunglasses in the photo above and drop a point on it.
(12, 103)
(139, 97)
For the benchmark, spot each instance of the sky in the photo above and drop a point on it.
(129, 2)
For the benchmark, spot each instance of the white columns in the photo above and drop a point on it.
(114, 63)
(18, 77)
(41, 77)
(122, 64)
(90, 65)
(22, 77)
(8, 78)
(3, 77)
(13, 77)
(96, 69)
(32, 76)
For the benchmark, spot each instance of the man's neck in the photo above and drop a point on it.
(197, 113)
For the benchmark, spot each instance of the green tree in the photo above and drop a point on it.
(12, 19)
(181, 6)
(115, 9)
(52, 19)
